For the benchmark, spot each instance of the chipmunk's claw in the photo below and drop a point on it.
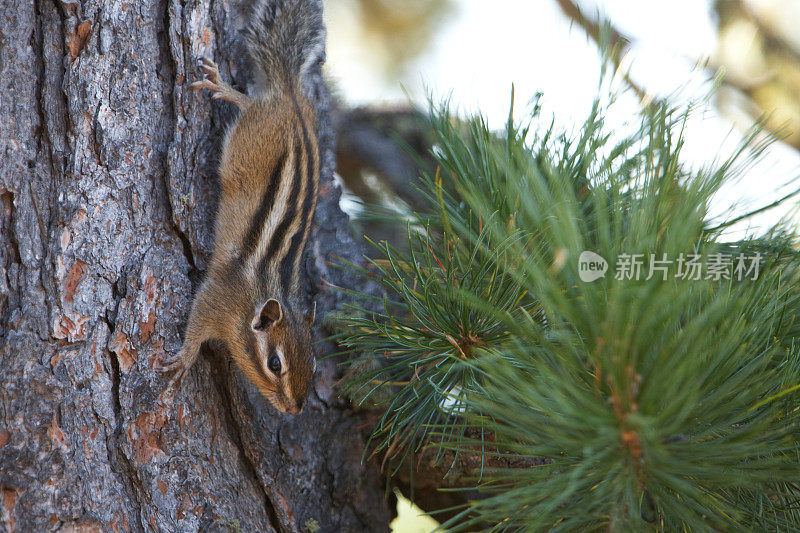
(210, 76)
(219, 89)
(210, 69)
(174, 365)
(205, 84)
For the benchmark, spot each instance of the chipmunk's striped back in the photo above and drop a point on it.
(278, 231)
(285, 39)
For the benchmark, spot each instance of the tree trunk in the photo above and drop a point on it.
(108, 194)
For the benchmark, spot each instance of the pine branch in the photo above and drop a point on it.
(772, 39)
(640, 400)
(618, 43)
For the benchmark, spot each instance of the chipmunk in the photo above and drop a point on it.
(269, 171)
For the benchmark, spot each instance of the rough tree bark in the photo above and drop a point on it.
(108, 191)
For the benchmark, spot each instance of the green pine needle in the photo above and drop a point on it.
(644, 403)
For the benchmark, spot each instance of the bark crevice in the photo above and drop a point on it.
(172, 125)
(11, 259)
(44, 157)
(120, 463)
(223, 380)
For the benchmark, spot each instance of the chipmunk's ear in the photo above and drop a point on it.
(271, 314)
(311, 314)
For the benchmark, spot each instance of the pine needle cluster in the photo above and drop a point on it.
(653, 401)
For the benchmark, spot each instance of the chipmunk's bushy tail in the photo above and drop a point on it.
(285, 38)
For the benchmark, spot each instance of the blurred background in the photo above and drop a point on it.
(737, 60)
(386, 54)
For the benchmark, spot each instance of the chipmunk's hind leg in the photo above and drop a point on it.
(219, 88)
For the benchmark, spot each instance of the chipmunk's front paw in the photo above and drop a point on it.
(175, 367)
(219, 89)
(210, 76)
(209, 68)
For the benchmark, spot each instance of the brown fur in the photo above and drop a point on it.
(267, 140)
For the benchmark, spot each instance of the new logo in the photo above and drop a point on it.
(591, 266)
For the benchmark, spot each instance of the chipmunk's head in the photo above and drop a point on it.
(282, 354)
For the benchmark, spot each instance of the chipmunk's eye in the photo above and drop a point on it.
(274, 364)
